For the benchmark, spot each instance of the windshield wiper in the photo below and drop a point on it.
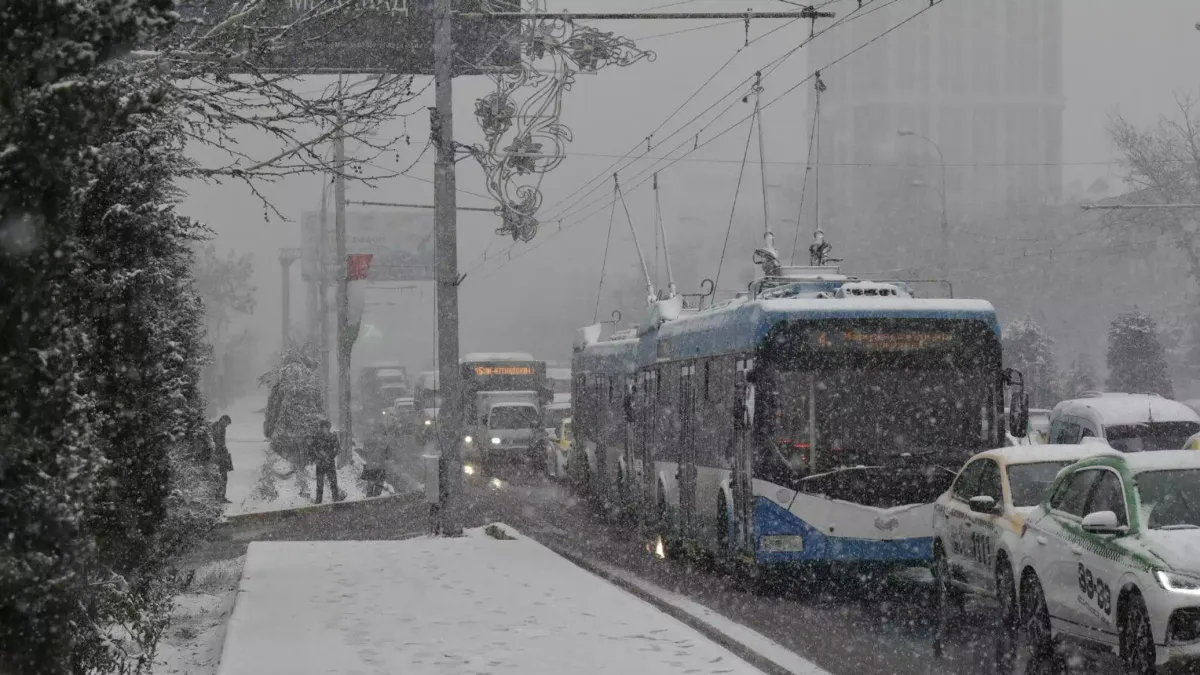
(1180, 526)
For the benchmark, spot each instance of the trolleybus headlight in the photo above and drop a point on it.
(468, 469)
(467, 440)
(495, 440)
(1177, 583)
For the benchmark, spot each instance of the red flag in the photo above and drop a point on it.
(357, 265)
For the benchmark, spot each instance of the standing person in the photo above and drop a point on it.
(323, 452)
(221, 456)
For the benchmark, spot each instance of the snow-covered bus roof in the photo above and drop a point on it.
(483, 357)
(1124, 409)
(740, 326)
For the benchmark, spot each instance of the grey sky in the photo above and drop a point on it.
(1116, 60)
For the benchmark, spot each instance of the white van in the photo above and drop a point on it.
(1127, 422)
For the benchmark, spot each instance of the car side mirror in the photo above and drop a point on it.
(984, 504)
(1103, 522)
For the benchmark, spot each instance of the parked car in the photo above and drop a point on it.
(1111, 560)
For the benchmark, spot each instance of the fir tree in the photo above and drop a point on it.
(100, 356)
(295, 402)
(1137, 361)
(1030, 350)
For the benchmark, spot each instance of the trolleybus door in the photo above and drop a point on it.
(687, 450)
(743, 458)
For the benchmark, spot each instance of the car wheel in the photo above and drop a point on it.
(1137, 641)
(944, 607)
(1006, 595)
(1035, 616)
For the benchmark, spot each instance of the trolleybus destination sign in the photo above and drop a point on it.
(879, 341)
(352, 36)
(484, 371)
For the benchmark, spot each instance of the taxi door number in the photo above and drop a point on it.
(974, 545)
(1095, 589)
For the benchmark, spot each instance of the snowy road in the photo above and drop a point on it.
(847, 626)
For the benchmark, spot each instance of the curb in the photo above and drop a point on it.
(263, 517)
(747, 654)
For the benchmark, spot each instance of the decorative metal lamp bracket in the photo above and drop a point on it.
(526, 139)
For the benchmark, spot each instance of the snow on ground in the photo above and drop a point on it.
(262, 480)
(468, 605)
(192, 644)
(757, 642)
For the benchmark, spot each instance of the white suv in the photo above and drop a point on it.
(1111, 560)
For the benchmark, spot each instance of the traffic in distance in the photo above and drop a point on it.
(819, 421)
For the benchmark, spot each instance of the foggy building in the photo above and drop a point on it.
(983, 80)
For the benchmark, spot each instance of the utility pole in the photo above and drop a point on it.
(287, 256)
(450, 423)
(343, 294)
(323, 293)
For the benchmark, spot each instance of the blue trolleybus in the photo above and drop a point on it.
(814, 418)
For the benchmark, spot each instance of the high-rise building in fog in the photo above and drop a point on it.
(981, 78)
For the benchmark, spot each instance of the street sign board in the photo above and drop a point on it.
(351, 36)
(401, 242)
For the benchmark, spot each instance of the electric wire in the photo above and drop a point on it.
(767, 70)
(804, 183)
(733, 210)
(604, 261)
(741, 121)
(677, 110)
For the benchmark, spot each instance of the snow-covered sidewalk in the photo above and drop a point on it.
(263, 481)
(474, 604)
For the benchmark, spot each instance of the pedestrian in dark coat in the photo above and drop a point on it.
(323, 451)
(221, 456)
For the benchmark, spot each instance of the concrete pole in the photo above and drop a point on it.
(450, 423)
(323, 293)
(287, 256)
(343, 297)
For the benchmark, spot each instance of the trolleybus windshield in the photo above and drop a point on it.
(849, 392)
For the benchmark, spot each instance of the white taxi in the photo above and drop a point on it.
(977, 523)
(1111, 560)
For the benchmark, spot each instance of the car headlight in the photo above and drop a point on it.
(1177, 583)
(467, 440)
(468, 469)
(495, 440)
(428, 422)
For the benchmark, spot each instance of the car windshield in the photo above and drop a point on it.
(513, 417)
(1170, 498)
(1150, 435)
(1028, 482)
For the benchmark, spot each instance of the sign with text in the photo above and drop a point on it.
(881, 342)
(486, 371)
(351, 36)
(401, 243)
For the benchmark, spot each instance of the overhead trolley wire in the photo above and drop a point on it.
(679, 109)
(735, 92)
(733, 209)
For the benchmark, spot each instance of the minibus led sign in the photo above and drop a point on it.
(884, 342)
(484, 371)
